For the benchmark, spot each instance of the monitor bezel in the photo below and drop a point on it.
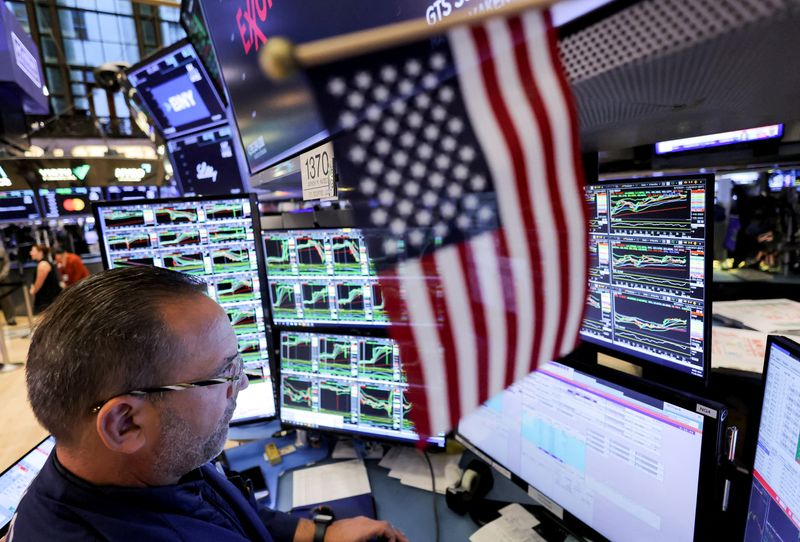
(4, 528)
(653, 370)
(36, 206)
(262, 277)
(219, 85)
(156, 57)
(710, 483)
(432, 442)
(794, 350)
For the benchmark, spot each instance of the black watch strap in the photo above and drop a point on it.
(319, 531)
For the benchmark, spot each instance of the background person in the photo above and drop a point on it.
(136, 373)
(45, 287)
(6, 304)
(70, 267)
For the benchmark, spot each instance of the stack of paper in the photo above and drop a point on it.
(765, 315)
(514, 523)
(329, 483)
(741, 349)
(410, 467)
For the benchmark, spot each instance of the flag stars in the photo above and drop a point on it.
(400, 159)
(471, 202)
(454, 190)
(425, 151)
(411, 189)
(413, 67)
(418, 170)
(478, 183)
(423, 217)
(448, 210)
(373, 113)
(375, 166)
(463, 222)
(363, 80)
(399, 107)
(438, 113)
(337, 87)
(438, 61)
(365, 134)
(455, 126)
(430, 199)
(467, 153)
(423, 101)
(407, 139)
(393, 178)
(368, 186)
(390, 247)
(397, 226)
(391, 126)
(380, 93)
(406, 87)
(386, 197)
(416, 238)
(461, 172)
(449, 143)
(446, 94)
(442, 161)
(347, 120)
(430, 81)
(405, 208)
(383, 147)
(431, 132)
(357, 154)
(436, 180)
(355, 100)
(441, 229)
(380, 216)
(414, 120)
(485, 214)
(388, 74)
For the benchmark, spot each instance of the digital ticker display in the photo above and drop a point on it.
(18, 206)
(216, 241)
(120, 193)
(347, 383)
(322, 277)
(647, 270)
(77, 201)
(177, 92)
(205, 163)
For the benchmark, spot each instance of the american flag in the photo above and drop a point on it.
(462, 152)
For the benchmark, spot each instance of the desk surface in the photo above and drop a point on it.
(407, 508)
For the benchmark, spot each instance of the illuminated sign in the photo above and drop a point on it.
(249, 32)
(132, 174)
(26, 61)
(206, 171)
(724, 138)
(64, 174)
(181, 101)
(4, 180)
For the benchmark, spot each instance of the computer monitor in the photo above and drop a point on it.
(214, 239)
(65, 202)
(649, 264)
(774, 511)
(205, 163)
(322, 277)
(346, 383)
(14, 481)
(18, 206)
(175, 89)
(194, 24)
(125, 193)
(604, 453)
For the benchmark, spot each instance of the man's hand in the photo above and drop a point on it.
(362, 529)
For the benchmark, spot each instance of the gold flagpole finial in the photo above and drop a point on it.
(277, 59)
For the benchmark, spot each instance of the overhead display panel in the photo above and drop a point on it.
(205, 163)
(194, 23)
(18, 206)
(175, 89)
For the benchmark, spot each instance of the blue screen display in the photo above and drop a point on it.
(176, 91)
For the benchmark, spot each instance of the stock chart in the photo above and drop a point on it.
(647, 275)
(214, 240)
(344, 382)
(320, 277)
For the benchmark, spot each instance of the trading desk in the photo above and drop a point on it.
(407, 508)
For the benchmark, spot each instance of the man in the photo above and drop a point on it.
(131, 461)
(70, 266)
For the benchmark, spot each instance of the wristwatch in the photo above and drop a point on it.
(322, 518)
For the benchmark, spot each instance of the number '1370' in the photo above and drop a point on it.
(318, 165)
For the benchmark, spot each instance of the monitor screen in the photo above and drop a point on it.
(205, 163)
(63, 202)
(18, 206)
(630, 464)
(123, 193)
(16, 479)
(724, 138)
(345, 383)
(174, 88)
(774, 512)
(216, 240)
(322, 277)
(194, 23)
(648, 269)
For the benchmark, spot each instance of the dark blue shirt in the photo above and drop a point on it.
(203, 506)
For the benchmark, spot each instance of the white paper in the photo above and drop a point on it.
(391, 456)
(765, 315)
(741, 349)
(409, 466)
(512, 526)
(329, 482)
(345, 449)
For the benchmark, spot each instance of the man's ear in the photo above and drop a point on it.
(122, 421)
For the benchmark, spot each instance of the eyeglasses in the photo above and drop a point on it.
(237, 365)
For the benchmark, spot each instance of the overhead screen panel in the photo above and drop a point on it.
(630, 464)
(18, 206)
(176, 91)
(123, 193)
(775, 496)
(648, 272)
(194, 24)
(205, 163)
(66, 202)
(214, 239)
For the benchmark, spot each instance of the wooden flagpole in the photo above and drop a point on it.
(280, 58)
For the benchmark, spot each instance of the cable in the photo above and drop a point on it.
(433, 492)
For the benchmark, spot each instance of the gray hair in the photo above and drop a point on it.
(100, 338)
